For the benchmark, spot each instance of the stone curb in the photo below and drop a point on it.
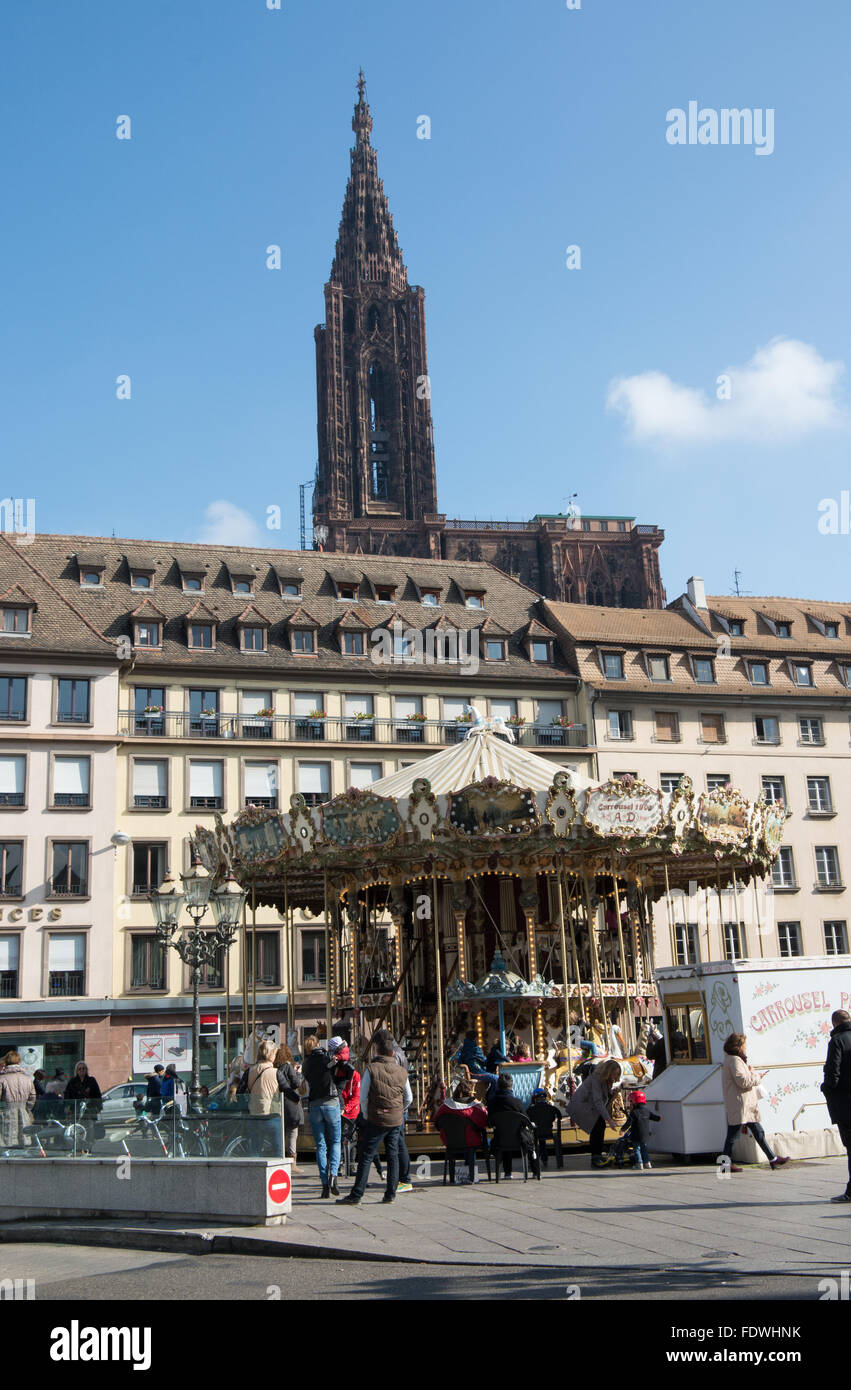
(211, 1242)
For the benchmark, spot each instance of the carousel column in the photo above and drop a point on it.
(627, 999)
(397, 915)
(529, 908)
(591, 916)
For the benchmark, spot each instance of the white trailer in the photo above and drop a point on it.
(783, 1007)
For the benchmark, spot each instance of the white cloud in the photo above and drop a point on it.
(785, 391)
(227, 524)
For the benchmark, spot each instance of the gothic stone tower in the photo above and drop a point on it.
(375, 485)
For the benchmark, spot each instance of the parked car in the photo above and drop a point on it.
(118, 1101)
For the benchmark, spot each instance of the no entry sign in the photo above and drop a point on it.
(278, 1186)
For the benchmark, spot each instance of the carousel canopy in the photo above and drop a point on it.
(483, 753)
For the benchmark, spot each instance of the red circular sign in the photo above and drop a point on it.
(279, 1186)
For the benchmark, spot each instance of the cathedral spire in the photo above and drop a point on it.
(375, 485)
(367, 245)
(362, 120)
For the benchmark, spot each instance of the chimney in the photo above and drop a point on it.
(696, 591)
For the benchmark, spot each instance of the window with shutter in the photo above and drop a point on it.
(261, 784)
(205, 786)
(66, 966)
(71, 782)
(12, 780)
(150, 783)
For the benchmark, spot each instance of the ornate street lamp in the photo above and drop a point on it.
(195, 947)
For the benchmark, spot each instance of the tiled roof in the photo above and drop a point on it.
(50, 573)
(638, 632)
(64, 621)
(637, 626)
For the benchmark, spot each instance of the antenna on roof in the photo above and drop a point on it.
(737, 588)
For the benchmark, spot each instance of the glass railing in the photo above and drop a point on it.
(223, 1127)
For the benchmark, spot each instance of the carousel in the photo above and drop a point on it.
(485, 889)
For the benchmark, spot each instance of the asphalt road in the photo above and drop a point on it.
(91, 1274)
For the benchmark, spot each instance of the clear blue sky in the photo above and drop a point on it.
(147, 257)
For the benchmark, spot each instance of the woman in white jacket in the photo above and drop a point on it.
(741, 1101)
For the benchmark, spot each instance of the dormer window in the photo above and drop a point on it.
(92, 567)
(347, 591)
(541, 651)
(91, 578)
(613, 666)
(758, 672)
(303, 641)
(831, 630)
(290, 581)
(783, 630)
(430, 597)
(704, 670)
(16, 620)
(193, 584)
(494, 649)
(384, 593)
(737, 627)
(803, 673)
(140, 580)
(201, 636)
(253, 639)
(353, 644)
(148, 634)
(474, 598)
(241, 580)
(658, 668)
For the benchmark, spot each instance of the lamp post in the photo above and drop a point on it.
(197, 947)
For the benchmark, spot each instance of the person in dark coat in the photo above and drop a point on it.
(84, 1088)
(546, 1118)
(656, 1051)
(837, 1085)
(496, 1057)
(289, 1082)
(153, 1091)
(638, 1125)
(500, 1103)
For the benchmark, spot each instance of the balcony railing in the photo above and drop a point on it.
(11, 798)
(8, 984)
(300, 729)
(65, 982)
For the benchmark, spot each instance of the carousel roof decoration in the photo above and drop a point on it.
(485, 805)
(500, 983)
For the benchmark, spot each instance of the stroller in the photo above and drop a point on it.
(623, 1150)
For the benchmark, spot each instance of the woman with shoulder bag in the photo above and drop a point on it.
(741, 1100)
(288, 1084)
(263, 1101)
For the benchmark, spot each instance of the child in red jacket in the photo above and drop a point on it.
(476, 1117)
(351, 1119)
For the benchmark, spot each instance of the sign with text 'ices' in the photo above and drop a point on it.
(623, 813)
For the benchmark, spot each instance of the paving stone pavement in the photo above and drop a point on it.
(671, 1217)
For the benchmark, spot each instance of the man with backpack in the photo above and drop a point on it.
(385, 1092)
